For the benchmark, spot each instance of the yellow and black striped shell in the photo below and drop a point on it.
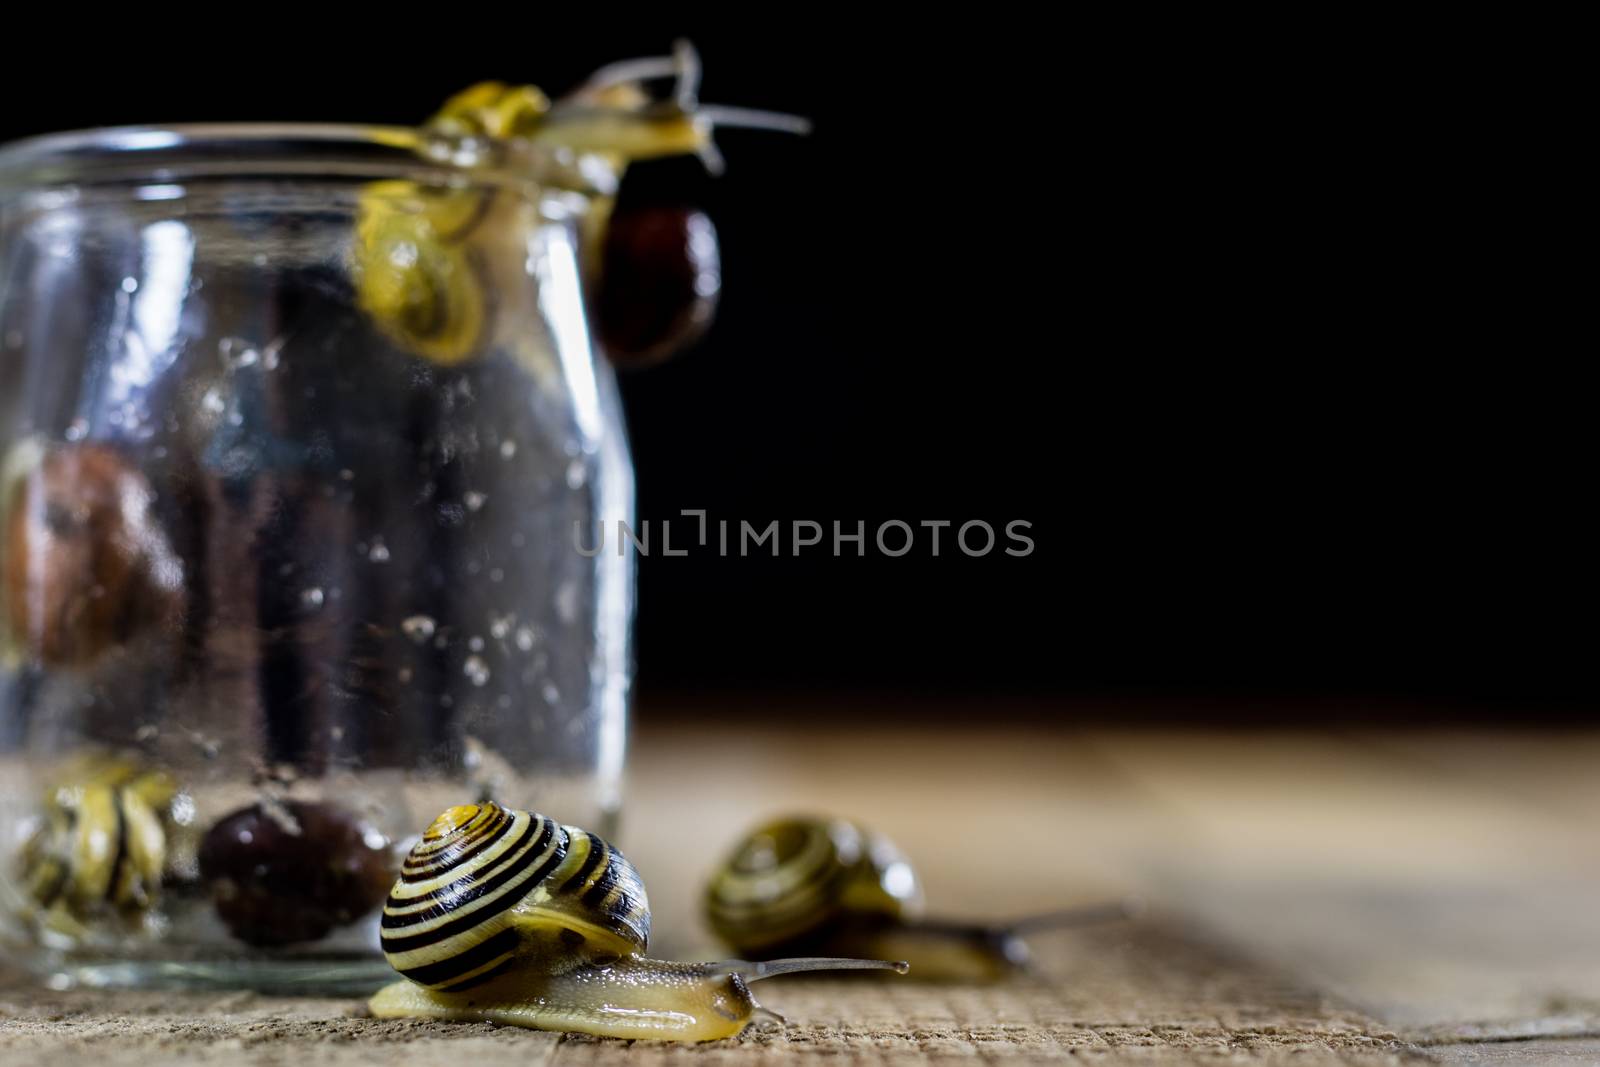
(418, 275)
(424, 270)
(103, 844)
(795, 878)
(488, 886)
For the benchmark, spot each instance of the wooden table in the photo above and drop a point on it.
(1374, 897)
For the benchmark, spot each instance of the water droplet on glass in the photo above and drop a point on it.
(577, 474)
(405, 675)
(525, 638)
(212, 402)
(130, 284)
(237, 353)
(77, 430)
(508, 448)
(379, 553)
(419, 628)
(550, 693)
(500, 628)
(476, 670)
(311, 598)
(497, 575)
(475, 500)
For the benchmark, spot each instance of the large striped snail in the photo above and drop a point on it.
(426, 256)
(505, 916)
(813, 885)
(103, 844)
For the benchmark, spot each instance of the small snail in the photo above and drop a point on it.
(804, 885)
(505, 916)
(286, 871)
(659, 278)
(426, 255)
(103, 844)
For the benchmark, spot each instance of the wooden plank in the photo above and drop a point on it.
(1314, 899)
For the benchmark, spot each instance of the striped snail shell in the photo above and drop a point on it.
(794, 878)
(485, 882)
(419, 276)
(506, 916)
(103, 844)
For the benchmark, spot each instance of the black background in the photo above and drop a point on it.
(1244, 326)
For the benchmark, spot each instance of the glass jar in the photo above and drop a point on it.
(297, 428)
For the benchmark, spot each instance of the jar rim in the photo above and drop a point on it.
(289, 150)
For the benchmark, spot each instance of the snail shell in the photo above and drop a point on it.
(418, 276)
(85, 568)
(794, 879)
(486, 884)
(103, 844)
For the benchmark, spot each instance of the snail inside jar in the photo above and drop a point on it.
(298, 421)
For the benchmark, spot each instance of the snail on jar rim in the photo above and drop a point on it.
(431, 260)
(829, 886)
(506, 916)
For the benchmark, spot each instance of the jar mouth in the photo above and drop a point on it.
(124, 154)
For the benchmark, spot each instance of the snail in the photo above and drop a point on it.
(285, 871)
(85, 569)
(425, 255)
(812, 885)
(505, 916)
(103, 844)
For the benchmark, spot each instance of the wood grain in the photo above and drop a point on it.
(1313, 898)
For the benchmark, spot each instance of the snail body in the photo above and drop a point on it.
(830, 886)
(507, 916)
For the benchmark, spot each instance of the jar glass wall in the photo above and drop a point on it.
(297, 426)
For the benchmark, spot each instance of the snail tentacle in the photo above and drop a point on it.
(755, 971)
